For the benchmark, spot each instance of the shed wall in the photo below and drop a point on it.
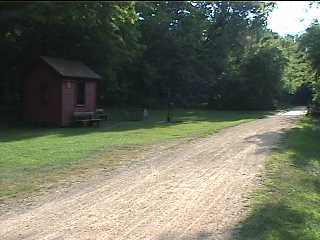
(69, 98)
(42, 96)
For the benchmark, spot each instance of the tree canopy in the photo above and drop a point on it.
(190, 53)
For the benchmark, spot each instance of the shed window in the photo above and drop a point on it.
(81, 92)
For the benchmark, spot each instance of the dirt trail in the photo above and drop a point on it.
(196, 190)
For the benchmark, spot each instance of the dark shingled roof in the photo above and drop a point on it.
(68, 68)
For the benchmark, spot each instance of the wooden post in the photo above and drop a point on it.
(168, 107)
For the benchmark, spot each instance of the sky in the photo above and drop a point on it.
(292, 17)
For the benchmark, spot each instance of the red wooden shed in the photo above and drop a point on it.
(56, 88)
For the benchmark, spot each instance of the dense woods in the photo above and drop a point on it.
(216, 54)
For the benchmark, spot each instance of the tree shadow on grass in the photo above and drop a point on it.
(302, 143)
(285, 214)
(182, 117)
(272, 221)
(313, 184)
(269, 220)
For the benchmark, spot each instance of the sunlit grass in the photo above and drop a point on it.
(33, 157)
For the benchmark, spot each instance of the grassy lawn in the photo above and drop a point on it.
(288, 206)
(31, 158)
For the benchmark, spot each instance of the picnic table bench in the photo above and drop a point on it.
(101, 114)
(86, 118)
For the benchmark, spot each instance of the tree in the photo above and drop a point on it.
(102, 34)
(310, 46)
(262, 71)
(200, 52)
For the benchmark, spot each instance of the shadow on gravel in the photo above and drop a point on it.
(180, 236)
(266, 141)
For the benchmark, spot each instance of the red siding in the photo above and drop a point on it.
(36, 109)
(59, 104)
(68, 89)
(91, 95)
(69, 97)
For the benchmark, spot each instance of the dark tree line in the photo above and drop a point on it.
(189, 53)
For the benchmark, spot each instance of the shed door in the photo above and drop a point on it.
(81, 92)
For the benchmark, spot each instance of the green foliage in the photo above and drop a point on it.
(262, 70)
(298, 71)
(195, 49)
(102, 34)
(309, 42)
(149, 53)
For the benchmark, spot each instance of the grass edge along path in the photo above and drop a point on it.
(38, 158)
(288, 204)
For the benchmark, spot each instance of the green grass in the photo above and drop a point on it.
(33, 157)
(288, 206)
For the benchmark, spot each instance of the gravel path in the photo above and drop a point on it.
(196, 190)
